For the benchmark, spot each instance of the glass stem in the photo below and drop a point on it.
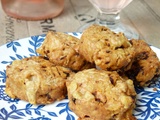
(108, 20)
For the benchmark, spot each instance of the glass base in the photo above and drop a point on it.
(128, 31)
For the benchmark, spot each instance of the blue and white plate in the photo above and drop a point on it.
(147, 105)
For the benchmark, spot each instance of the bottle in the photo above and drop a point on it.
(33, 9)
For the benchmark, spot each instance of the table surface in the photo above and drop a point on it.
(143, 15)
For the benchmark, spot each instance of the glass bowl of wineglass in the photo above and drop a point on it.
(109, 16)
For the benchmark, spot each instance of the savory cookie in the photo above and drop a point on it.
(101, 95)
(108, 50)
(146, 65)
(36, 80)
(62, 49)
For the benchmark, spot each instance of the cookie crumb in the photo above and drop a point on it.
(154, 89)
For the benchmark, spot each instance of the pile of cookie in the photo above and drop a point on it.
(98, 72)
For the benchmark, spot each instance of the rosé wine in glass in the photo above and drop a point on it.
(110, 6)
(109, 16)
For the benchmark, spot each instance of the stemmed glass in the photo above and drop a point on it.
(109, 16)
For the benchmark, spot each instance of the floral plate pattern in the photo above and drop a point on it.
(147, 105)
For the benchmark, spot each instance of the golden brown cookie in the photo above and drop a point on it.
(36, 80)
(62, 49)
(101, 95)
(146, 64)
(108, 50)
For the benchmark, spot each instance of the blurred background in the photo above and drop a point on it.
(143, 15)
